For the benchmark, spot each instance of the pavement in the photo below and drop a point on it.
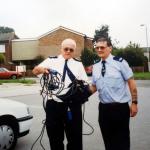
(17, 89)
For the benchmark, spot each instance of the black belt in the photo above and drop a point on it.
(113, 104)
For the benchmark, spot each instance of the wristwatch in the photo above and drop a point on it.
(135, 102)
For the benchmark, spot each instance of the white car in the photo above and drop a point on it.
(15, 122)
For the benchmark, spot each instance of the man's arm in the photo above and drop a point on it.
(39, 70)
(133, 91)
(92, 88)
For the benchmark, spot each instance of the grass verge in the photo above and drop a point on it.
(24, 81)
(137, 76)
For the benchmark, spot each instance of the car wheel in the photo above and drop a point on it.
(14, 77)
(8, 135)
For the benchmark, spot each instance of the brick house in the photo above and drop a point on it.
(26, 51)
(6, 48)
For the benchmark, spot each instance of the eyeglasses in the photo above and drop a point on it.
(68, 49)
(100, 47)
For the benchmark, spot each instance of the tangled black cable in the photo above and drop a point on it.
(92, 129)
(52, 85)
(40, 136)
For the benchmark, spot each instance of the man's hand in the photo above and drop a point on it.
(92, 89)
(39, 70)
(133, 110)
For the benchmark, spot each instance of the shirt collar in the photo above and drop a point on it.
(62, 58)
(109, 58)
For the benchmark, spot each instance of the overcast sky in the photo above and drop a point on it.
(32, 18)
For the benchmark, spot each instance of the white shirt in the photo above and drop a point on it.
(57, 63)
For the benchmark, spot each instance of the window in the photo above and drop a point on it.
(2, 48)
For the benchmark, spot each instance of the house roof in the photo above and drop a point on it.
(60, 27)
(8, 36)
(64, 28)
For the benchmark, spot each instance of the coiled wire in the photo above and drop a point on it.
(52, 85)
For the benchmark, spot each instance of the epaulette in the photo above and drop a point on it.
(120, 59)
(97, 61)
(77, 59)
(53, 57)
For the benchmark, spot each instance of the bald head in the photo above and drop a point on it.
(68, 43)
(68, 46)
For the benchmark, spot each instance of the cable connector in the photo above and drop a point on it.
(69, 113)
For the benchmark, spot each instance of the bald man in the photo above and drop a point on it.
(57, 120)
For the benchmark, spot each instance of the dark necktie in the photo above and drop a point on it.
(103, 71)
(66, 69)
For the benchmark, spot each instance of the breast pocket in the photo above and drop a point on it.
(113, 82)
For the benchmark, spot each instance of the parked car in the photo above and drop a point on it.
(7, 74)
(15, 122)
(88, 70)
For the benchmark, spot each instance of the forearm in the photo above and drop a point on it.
(133, 89)
(134, 94)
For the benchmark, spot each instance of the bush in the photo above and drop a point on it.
(2, 58)
(133, 54)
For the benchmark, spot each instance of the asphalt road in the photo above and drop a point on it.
(140, 125)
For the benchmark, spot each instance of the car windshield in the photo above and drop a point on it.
(3, 70)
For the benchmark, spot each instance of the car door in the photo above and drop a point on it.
(3, 74)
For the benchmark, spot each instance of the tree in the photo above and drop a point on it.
(2, 59)
(103, 31)
(132, 53)
(6, 29)
(88, 57)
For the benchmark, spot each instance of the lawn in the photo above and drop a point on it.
(142, 76)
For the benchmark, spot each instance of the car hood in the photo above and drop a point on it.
(11, 107)
(6, 102)
(14, 72)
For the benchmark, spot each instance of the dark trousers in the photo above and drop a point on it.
(57, 122)
(114, 125)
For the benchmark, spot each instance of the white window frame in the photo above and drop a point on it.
(2, 48)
